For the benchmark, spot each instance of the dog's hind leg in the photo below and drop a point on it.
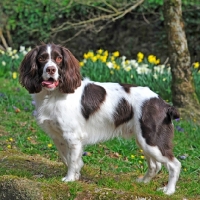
(174, 167)
(153, 168)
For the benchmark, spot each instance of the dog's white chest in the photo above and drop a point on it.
(49, 115)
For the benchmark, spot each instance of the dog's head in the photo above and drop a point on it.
(50, 66)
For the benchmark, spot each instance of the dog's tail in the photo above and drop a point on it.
(173, 112)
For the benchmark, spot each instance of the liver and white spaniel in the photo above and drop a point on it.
(77, 112)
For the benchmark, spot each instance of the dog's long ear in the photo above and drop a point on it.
(70, 77)
(28, 72)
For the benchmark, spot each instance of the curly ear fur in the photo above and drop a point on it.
(70, 77)
(29, 74)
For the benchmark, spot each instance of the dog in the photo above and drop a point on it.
(76, 112)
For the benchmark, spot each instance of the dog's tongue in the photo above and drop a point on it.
(50, 83)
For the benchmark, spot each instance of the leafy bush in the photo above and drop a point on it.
(103, 66)
(29, 26)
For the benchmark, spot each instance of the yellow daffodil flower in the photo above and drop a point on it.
(115, 54)
(100, 51)
(94, 58)
(81, 64)
(140, 57)
(196, 65)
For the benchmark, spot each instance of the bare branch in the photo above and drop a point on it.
(3, 39)
(130, 9)
(118, 13)
(110, 6)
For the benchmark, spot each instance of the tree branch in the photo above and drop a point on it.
(112, 17)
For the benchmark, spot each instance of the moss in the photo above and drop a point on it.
(17, 188)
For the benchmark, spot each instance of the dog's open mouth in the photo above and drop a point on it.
(50, 83)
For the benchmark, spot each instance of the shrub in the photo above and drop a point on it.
(103, 66)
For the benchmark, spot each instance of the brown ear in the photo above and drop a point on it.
(70, 77)
(28, 72)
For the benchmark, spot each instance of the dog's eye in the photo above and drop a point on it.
(58, 59)
(41, 59)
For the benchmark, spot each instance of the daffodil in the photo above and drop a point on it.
(115, 54)
(127, 68)
(3, 63)
(86, 56)
(81, 64)
(110, 65)
(143, 69)
(112, 58)
(103, 58)
(94, 58)
(117, 67)
(153, 60)
(14, 75)
(2, 52)
(14, 51)
(196, 65)
(100, 51)
(140, 57)
(21, 48)
(105, 53)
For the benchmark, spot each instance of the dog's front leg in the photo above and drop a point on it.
(73, 155)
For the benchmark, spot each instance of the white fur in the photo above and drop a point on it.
(50, 63)
(60, 116)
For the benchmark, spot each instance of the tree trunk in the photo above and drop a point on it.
(183, 91)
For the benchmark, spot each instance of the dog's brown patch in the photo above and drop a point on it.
(156, 125)
(123, 112)
(127, 87)
(92, 98)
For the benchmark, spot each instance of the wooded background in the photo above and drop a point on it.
(83, 25)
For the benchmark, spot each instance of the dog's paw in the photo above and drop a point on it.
(68, 179)
(71, 178)
(166, 190)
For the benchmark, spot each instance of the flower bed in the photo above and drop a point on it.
(102, 66)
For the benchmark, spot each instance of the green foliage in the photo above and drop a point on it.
(34, 21)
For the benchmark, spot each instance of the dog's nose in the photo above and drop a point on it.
(51, 70)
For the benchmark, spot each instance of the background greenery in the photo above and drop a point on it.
(28, 26)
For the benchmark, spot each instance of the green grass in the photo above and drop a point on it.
(113, 165)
